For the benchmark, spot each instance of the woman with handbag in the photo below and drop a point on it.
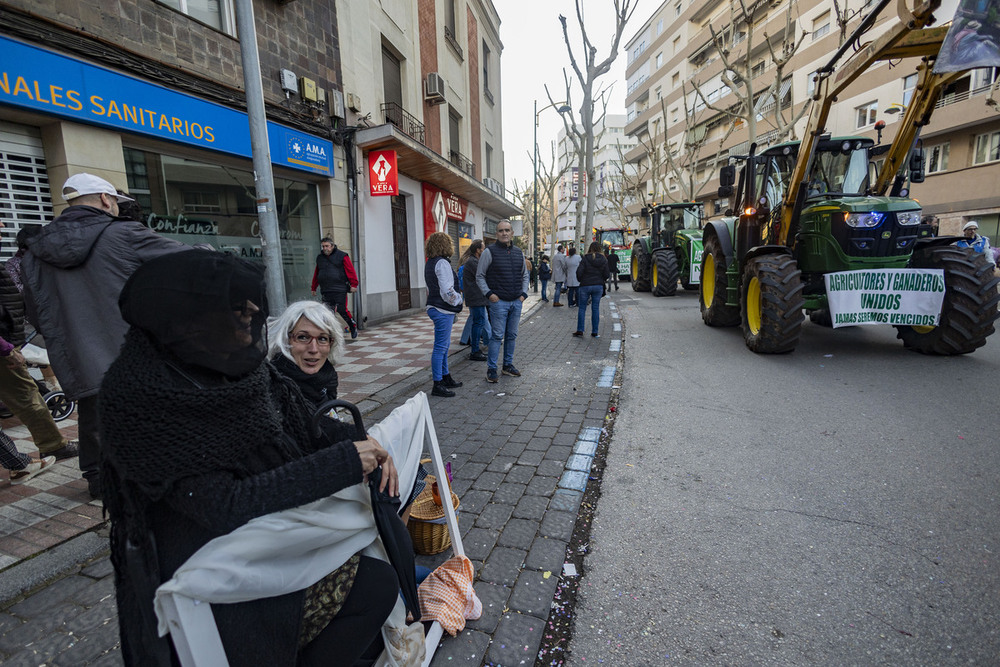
(199, 436)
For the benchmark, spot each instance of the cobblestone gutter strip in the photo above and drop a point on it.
(560, 625)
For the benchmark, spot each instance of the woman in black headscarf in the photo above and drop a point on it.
(200, 435)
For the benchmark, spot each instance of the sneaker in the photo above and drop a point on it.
(30, 470)
(491, 375)
(67, 451)
(595, 335)
(578, 334)
(510, 370)
(354, 330)
(477, 356)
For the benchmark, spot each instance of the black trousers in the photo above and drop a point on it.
(356, 627)
(337, 301)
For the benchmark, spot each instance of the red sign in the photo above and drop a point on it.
(382, 173)
(439, 207)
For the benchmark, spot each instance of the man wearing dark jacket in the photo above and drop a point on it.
(18, 390)
(73, 272)
(503, 278)
(336, 277)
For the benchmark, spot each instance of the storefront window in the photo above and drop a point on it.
(195, 202)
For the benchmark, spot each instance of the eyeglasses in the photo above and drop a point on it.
(302, 338)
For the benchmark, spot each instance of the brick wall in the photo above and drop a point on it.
(300, 36)
(476, 150)
(428, 63)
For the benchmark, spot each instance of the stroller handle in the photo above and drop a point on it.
(325, 408)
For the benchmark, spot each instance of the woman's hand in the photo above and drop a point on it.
(374, 455)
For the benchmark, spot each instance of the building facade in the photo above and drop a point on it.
(150, 98)
(674, 53)
(422, 79)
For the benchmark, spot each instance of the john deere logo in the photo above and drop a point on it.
(886, 235)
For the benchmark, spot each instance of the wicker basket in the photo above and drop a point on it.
(427, 525)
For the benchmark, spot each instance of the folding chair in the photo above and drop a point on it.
(192, 626)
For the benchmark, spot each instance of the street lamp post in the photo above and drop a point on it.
(561, 108)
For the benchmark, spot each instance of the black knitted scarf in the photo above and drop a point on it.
(318, 387)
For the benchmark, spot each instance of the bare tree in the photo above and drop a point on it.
(588, 70)
(736, 43)
(548, 178)
(620, 196)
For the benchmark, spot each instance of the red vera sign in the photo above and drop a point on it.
(382, 173)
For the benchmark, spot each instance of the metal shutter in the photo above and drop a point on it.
(24, 183)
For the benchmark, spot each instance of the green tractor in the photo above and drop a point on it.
(672, 251)
(814, 220)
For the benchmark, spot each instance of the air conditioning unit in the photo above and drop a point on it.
(434, 88)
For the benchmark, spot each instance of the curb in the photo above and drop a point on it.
(58, 562)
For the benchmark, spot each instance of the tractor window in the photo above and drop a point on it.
(839, 172)
(613, 236)
(778, 173)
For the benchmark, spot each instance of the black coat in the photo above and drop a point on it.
(593, 270)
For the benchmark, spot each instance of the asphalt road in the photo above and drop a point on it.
(834, 506)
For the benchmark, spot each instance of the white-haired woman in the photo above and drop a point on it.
(305, 342)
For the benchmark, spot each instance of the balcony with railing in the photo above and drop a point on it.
(462, 162)
(407, 124)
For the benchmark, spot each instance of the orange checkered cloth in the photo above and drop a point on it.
(447, 596)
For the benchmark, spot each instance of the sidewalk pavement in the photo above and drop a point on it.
(520, 451)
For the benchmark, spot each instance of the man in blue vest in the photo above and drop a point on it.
(503, 278)
(336, 278)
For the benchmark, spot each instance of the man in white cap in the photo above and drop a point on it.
(975, 241)
(73, 272)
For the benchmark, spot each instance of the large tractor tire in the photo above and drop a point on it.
(714, 281)
(970, 302)
(640, 269)
(664, 278)
(771, 304)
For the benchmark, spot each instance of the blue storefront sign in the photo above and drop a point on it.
(40, 80)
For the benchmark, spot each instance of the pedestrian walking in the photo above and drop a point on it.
(443, 303)
(572, 282)
(544, 275)
(73, 272)
(592, 273)
(558, 274)
(21, 466)
(201, 437)
(18, 390)
(13, 264)
(612, 258)
(503, 278)
(476, 301)
(336, 278)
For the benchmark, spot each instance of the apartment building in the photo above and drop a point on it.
(422, 78)
(611, 147)
(674, 52)
(150, 97)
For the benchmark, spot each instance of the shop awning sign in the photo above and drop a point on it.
(52, 83)
(382, 173)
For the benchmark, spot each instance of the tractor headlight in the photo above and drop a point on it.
(908, 217)
(864, 220)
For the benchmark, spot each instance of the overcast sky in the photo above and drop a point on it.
(534, 54)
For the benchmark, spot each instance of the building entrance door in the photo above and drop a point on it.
(401, 252)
